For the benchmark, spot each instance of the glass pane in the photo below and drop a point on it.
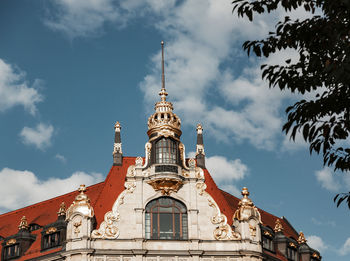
(154, 226)
(166, 210)
(165, 226)
(177, 226)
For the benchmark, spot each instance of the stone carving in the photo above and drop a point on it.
(166, 185)
(131, 171)
(192, 163)
(278, 226)
(117, 148)
(138, 162)
(108, 228)
(182, 155)
(77, 225)
(223, 231)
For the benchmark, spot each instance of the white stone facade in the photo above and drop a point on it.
(121, 237)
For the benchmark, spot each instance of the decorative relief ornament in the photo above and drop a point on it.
(292, 245)
(246, 208)
(315, 255)
(108, 228)
(166, 185)
(77, 225)
(117, 148)
(267, 233)
(23, 224)
(301, 239)
(51, 230)
(11, 241)
(62, 210)
(223, 231)
(81, 205)
(138, 162)
(131, 171)
(192, 163)
(278, 226)
(200, 149)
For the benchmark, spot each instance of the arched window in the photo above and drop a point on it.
(166, 218)
(166, 151)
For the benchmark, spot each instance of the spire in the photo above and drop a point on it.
(117, 149)
(164, 122)
(163, 92)
(200, 154)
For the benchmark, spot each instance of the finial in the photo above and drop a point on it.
(163, 92)
(245, 192)
(199, 128)
(82, 188)
(117, 126)
(278, 226)
(62, 210)
(23, 224)
(301, 239)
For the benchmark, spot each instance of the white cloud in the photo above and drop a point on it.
(14, 89)
(40, 136)
(326, 177)
(345, 249)
(61, 158)
(203, 37)
(226, 172)
(20, 188)
(316, 242)
(81, 18)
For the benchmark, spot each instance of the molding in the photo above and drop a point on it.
(223, 231)
(108, 228)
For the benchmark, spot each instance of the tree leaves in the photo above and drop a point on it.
(323, 45)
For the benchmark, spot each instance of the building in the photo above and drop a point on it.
(160, 207)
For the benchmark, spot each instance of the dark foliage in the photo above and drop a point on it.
(323, 44)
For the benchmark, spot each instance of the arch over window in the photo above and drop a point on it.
(166, 218)
(166, 151)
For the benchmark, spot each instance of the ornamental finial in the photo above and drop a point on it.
(246, 208)
(278, 226)
(82, 188)
(81, 204)
(23, 224)
(117, 126)
(301, 239)
(62, 210)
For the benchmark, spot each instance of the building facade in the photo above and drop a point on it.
(160, 207)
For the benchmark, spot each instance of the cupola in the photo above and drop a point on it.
(164, 130)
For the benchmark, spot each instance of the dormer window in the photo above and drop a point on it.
(166, 151)
(267, 241)
(51, 240)
(292, 252)
(33, 227)
(11, 252)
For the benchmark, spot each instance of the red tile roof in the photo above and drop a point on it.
(102, 196)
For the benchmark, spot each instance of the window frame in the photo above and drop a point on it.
(166, 151)
(15, 255)
(178, 222)
(48, 244)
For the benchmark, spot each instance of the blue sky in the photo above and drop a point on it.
(70, 69)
